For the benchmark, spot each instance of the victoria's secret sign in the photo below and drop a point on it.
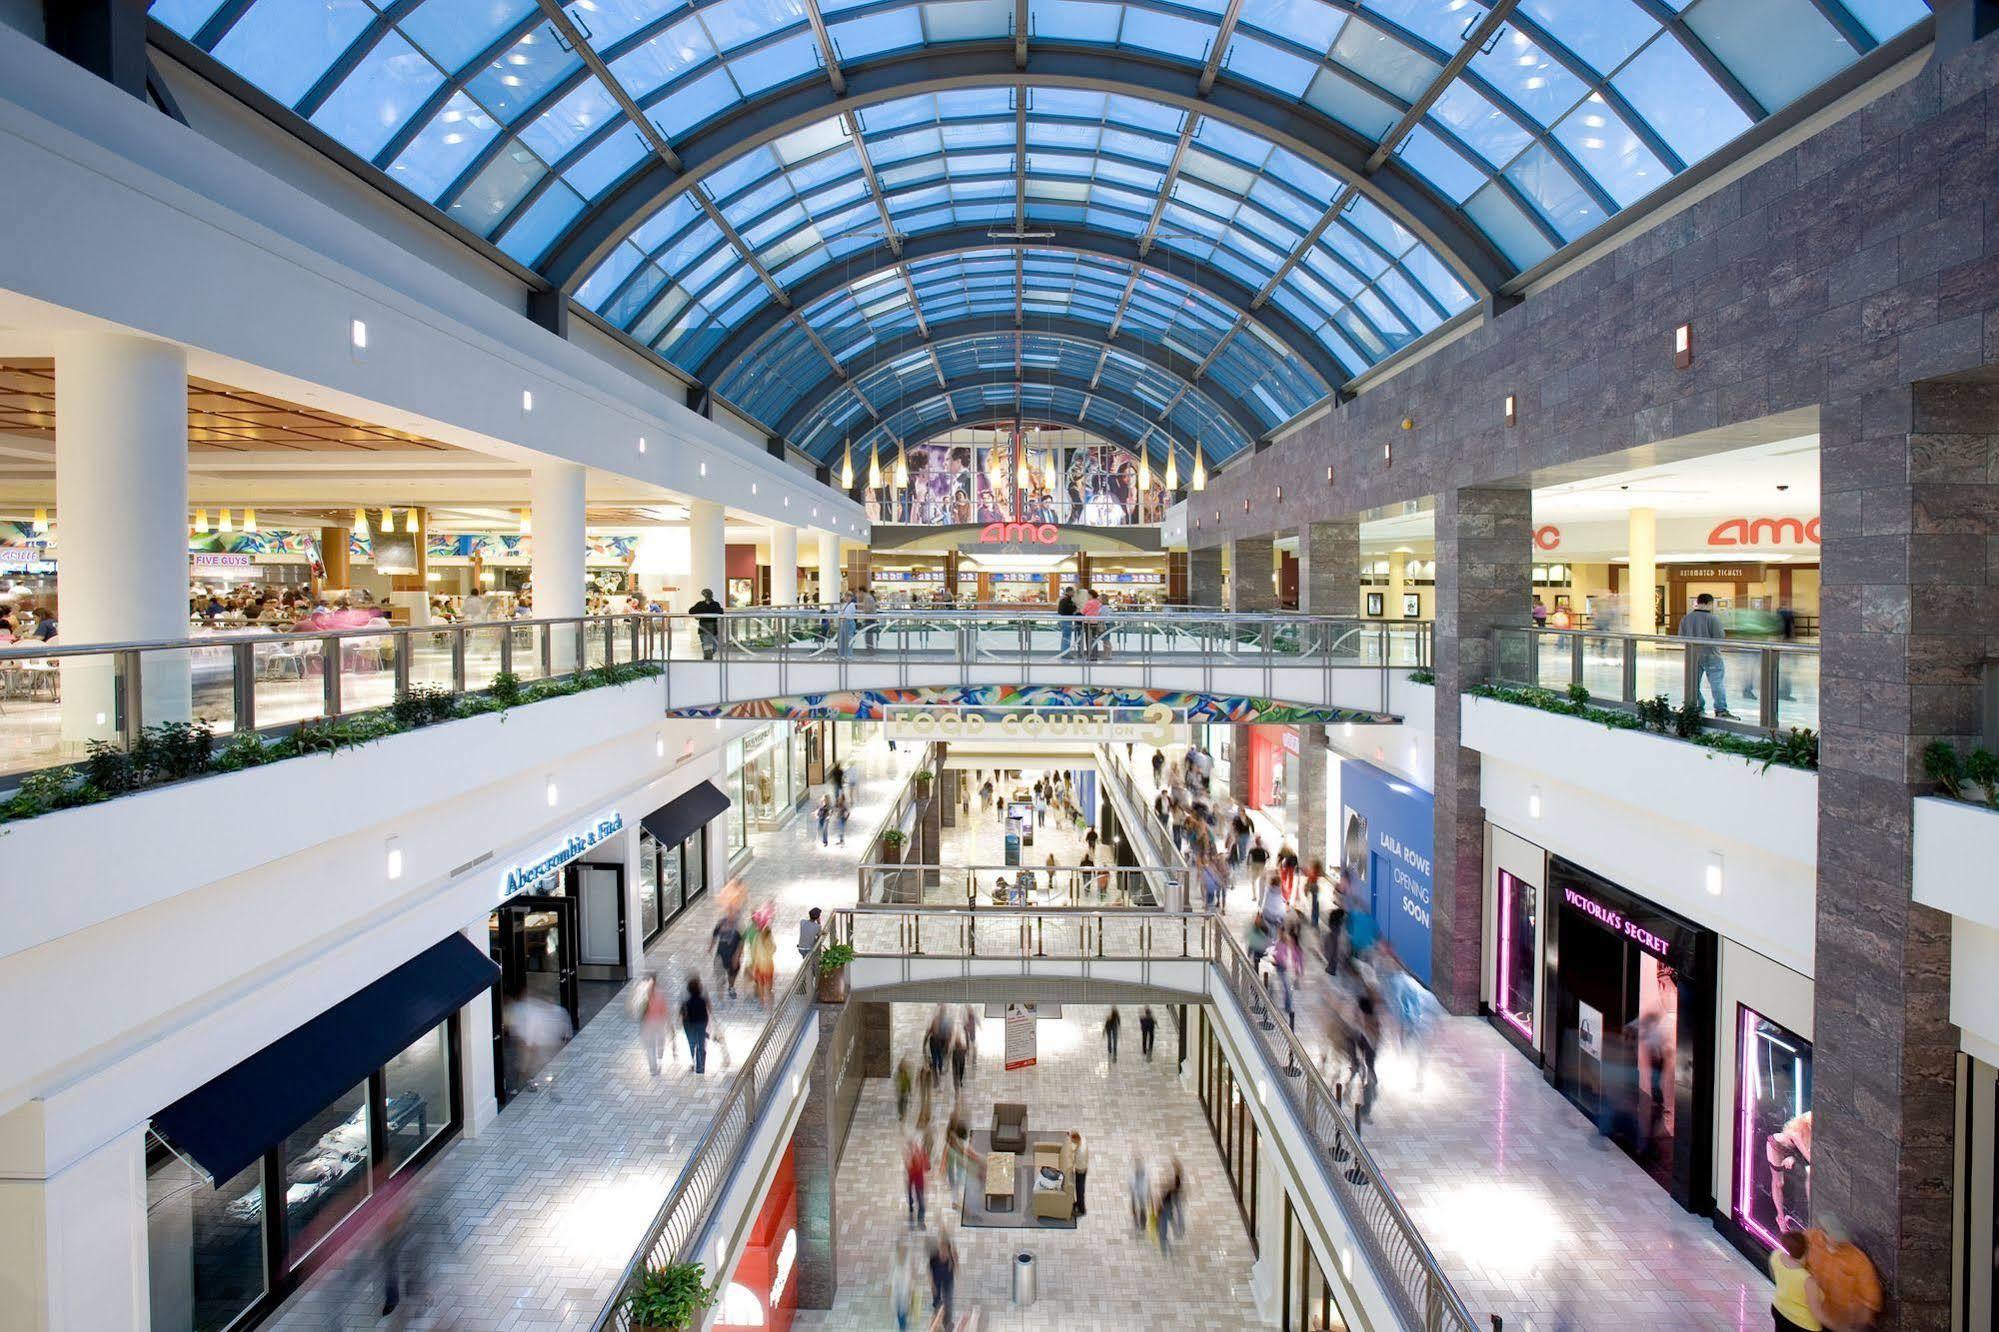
(1616, 922)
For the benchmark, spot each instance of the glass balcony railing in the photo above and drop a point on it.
(1752, 687)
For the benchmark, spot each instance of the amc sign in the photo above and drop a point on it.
(1024, 534)
(1765, 531)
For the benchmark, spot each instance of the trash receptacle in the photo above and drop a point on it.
(1023, 1278)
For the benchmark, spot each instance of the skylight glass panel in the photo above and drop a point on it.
(441, 150)
(967, 20)
(1307, 22)
(1517, 237)
(386, 89)
(1384, 61)
(1438, 22)
(1887, 18)
(1529, 76)
(283, 46)
(1680, 100)
(515, 82)
(1603, 33)
(1345, 101)
(184, 16)
(1559, 196)
(499, 185)
(1168, 35)
(872, 34)
(646, 69)
(1480, 125)
(619, 264)
(607, 162)
(536, 229)
(779, 62)
(558, 130)
(1611, 151)
(1440, 164)
(734, 23)
(452, 32)
(692, 102)
(672, 218)
(1779, 49)
(1260, 62)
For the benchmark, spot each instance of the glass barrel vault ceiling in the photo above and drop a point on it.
(1572, 110)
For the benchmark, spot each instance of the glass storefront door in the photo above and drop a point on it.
(670, 878)
(535, 1006)
(1517, 957)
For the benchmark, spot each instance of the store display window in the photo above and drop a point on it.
(1518, 954)
(205, 1245)
(326, 1171)
(1773, 1128)
(416, 1098)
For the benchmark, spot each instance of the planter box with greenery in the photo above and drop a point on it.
(833, 962)
(669, 1299)
(1797, 748)
(177, 751)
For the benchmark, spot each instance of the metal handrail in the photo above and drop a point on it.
(1411, 1274)
(675, 1231)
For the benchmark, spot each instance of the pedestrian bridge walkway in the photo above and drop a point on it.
(1212, 665)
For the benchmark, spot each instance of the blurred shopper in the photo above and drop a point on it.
(1794, 1304)
(916, 1179)
(825, 816)
(809, 931)
(1701, 623)
(694, 1022)
(1079, 1159)
(1111, 1025)
(707, 614)
(903, 1083)
(943, 1274)
(652, 1020)
(1148, 1026)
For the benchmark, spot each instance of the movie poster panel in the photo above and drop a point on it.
(1095, 486)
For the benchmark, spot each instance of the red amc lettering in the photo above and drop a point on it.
(1547, 538)
(1765, 531)
(1031, 534)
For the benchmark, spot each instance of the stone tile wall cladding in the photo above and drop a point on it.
(1847, 274)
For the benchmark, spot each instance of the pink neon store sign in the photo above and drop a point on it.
(1616, 922)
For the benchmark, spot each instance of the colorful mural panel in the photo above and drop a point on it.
(867, 704)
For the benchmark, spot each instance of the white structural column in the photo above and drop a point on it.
(830, 580)
(1398, 580)
(122, 521)
(556, 491)
(783, 564)
(707, 559)
(73, 1243)
(1643, 549)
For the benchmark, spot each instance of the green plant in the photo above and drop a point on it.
(1656, 713)
(506, 688)
(1943, 765)
(1578, 693)
(669, 1296)
(1981, 769)
(39, 793)
(110, 769)
(834, 956)
(174, 751)
(894, 838)
(242, 751)
(1423, 676)
(421, 705)
(1687, 719)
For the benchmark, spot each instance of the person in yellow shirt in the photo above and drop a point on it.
(1795, 1303)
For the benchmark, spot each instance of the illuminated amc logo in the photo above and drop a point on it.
(1027, 534)
(1765, 531)
(1548, 538)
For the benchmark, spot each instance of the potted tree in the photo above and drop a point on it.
(923, 779)
(833, 960)
(669, 1298)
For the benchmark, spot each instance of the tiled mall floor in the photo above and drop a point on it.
(1104, 1275)
(528, 1226)
(1532, 1213)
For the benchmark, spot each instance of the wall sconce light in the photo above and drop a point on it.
(1534, 802)
(753, 487)
(1714, 874)
(1280, 494)
(1329, 474)
(527, 400)
(1512, 410)
(642, 443)
(394, 847)
(1683, 346)
(553, 794)
(659, 745)
(1387, 454)
(1245, 504)
(704, 469)
(357, 336)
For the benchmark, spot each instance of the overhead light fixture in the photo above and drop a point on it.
(1172, 468)
(249, 520)
(409, 521)
(901, 469)
(361, 521)
(1512, 410)
(1200, 480)
(201, 522)
(1020, 462)
(874, 468)
(1144, 471)
(224, 523)
(1714, 874)
(847, 467)
(525, 526)
(1050, 473)
(388, 527)
(41, 520)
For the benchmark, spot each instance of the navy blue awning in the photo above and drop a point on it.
(226, 1124)
(676, 820)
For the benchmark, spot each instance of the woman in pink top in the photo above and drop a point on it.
(1093, 629)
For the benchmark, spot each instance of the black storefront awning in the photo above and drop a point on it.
(676, 820)
(226, 1124)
